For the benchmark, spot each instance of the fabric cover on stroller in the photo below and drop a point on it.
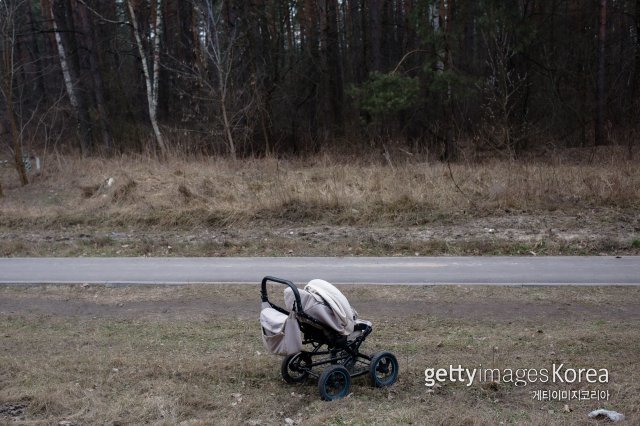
(281, 333)
(325, 303)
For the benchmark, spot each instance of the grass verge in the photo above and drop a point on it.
(192, 355)
(212, 206)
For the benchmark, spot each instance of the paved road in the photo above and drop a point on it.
(350, 270)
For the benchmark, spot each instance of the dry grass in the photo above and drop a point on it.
(217, 191)
(194, 361)
(214, 193)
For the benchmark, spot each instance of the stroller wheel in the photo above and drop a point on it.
(294, 368)
(334, 383)
(383, 369)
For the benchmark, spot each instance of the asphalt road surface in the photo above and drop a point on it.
(605, 270)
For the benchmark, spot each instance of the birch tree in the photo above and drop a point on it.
(151, 74)
(221, 52)
(63, 28)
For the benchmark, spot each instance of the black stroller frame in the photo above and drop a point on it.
(340, 355)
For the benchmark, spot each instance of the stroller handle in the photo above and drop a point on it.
(296, 293)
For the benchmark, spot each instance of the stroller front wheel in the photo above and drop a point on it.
(383, 369)
(294, 368)
(334, 383)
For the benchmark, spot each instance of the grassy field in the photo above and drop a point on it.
(192, 355)
(134, 206)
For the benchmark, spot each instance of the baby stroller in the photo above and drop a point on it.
(320, 336)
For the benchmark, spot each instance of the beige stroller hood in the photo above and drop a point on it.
(336, 301)
(325, 303)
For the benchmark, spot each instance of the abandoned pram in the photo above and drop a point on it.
(320, 317)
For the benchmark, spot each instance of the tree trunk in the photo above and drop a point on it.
(388, 42)
(151, 80)
(600, 138)
(188, 37)
(37, 57)
(400, 41)
(309, 28)
(366, 37)
(222, 59)
(635, 88)
(354, 54)
(375, 31)
(64, 33)
(15, 134)
(223, 67)
(96, 75)
(310, 52)
(227, 126)
(289, 28)
(17, 145)
(334, 66)
(8, 39)
(440, 15)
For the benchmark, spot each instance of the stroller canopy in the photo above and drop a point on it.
(324, 302)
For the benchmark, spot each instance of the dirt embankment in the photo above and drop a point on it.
(271, 207)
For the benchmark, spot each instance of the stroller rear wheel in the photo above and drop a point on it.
(383, 369)
(294, 368)
(334, 383)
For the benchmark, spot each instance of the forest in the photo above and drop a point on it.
(296, 77)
